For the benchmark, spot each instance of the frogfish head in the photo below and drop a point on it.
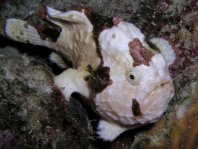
(141, 84)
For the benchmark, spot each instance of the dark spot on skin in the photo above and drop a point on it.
(113, 36)
(136, 108)
(98, 79)
(132, 77)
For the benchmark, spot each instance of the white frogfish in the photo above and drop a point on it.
(139, 87)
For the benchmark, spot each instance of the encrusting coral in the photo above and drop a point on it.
(137, 87)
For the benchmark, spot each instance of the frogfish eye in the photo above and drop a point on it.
(132, 77)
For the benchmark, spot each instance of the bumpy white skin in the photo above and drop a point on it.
(152, 86)
(75, 41)
(164, 48)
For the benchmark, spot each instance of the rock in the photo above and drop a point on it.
(34, 114)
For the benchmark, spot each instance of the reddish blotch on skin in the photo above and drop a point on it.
(139, 53)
